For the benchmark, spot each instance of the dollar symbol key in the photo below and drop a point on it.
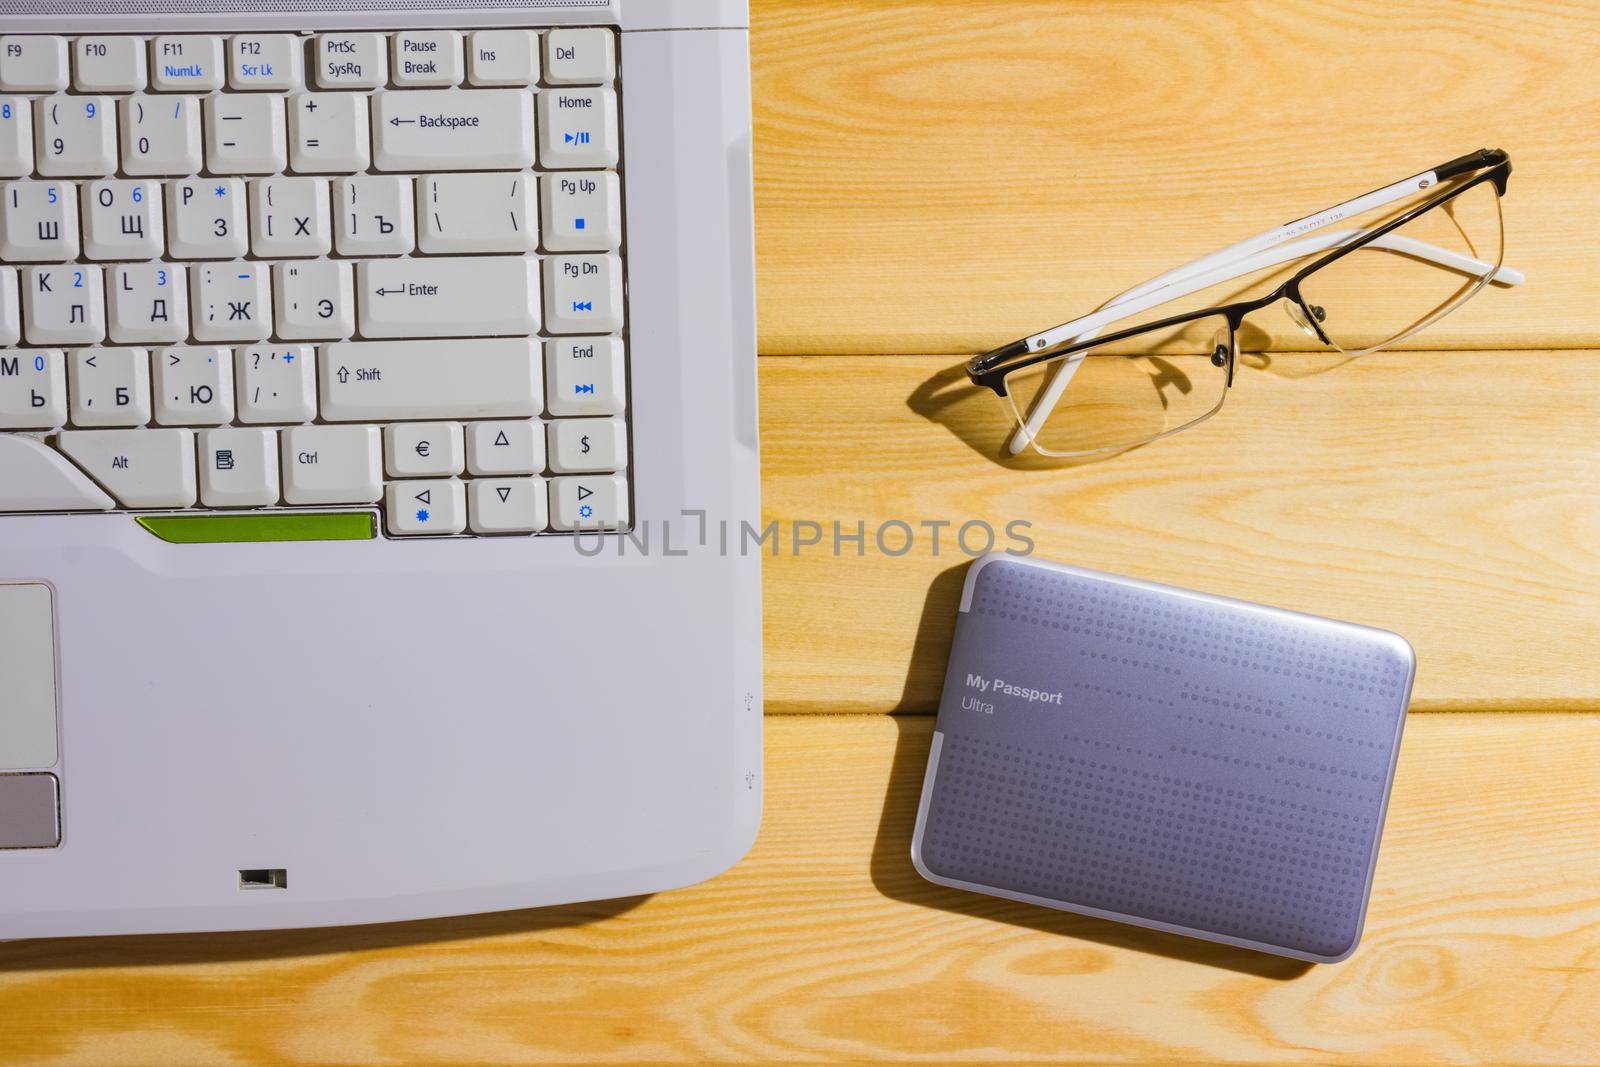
(583, 443)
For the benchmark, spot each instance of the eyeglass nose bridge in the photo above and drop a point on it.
(1306, 316)
(1223, 349)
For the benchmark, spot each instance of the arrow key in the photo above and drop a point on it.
(589, 502)
(435, 507)
(508, 505)
(505, 446)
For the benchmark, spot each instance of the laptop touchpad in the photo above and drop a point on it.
(28, 665)
(28, 802)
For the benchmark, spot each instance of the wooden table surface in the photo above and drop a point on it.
(936, 177)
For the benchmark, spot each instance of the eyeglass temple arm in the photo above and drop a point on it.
(1484, 157)
(1185, 280)
(1252, 245)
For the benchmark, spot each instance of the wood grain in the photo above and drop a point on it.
(940, 176)
(1451, 497)
(947, 175)
(1482, 945)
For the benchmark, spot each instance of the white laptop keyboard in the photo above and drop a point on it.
(273, 271)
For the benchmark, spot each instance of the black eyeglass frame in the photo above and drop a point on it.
(991, 369)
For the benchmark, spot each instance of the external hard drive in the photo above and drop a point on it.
(1162, 757)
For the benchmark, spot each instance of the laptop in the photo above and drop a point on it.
(377, 431)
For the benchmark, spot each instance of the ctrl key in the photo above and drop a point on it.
(332, 464)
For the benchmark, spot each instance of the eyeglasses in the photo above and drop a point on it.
(1077, 391)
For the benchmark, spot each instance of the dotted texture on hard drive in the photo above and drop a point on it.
(1213, 766)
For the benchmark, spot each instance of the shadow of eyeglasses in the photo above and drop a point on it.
(985, 423)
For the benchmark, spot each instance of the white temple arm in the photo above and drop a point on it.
(1262, 241)
(1148, 296)
(1255, 254)
(1252, 245)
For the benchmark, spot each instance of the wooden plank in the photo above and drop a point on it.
(1451, 497)
(939, 176)
(1481, 946)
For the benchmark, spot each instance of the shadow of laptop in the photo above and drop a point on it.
(144, 950)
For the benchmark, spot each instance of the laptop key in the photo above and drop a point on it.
(579, 57)
(63, 305)
(508, 505)
(269, 61)
(141, 468)
(437, 506)
(38, 221)
(582, 211)
(192, 385)
(352, 61)
(109, 386)
(76, 135)
(186, 63)
(109, 65)
(426, 57)
(374, 215)
(230, 301)
(16, 137)
(161, 135)
(584, 376)
(381, 381)
(453, 129)
(245, 134)
(577, 128)
(423, 449)
(238, 468)
(483, 295)
(33, 64)
(580, 445)
(33, 389)
(477, 213)
(505, 447)
(328, 133)
(583, 294)
(276, 383)
(589, 502)
(332, 465)
(503, 57)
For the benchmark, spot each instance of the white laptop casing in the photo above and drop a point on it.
(438, 726)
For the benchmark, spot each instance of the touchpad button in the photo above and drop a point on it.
(29, 810)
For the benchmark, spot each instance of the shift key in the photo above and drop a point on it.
(379, 381)
(483, 296)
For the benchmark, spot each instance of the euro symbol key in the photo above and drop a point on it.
(422, 448)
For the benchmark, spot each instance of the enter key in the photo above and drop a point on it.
(475, 296)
